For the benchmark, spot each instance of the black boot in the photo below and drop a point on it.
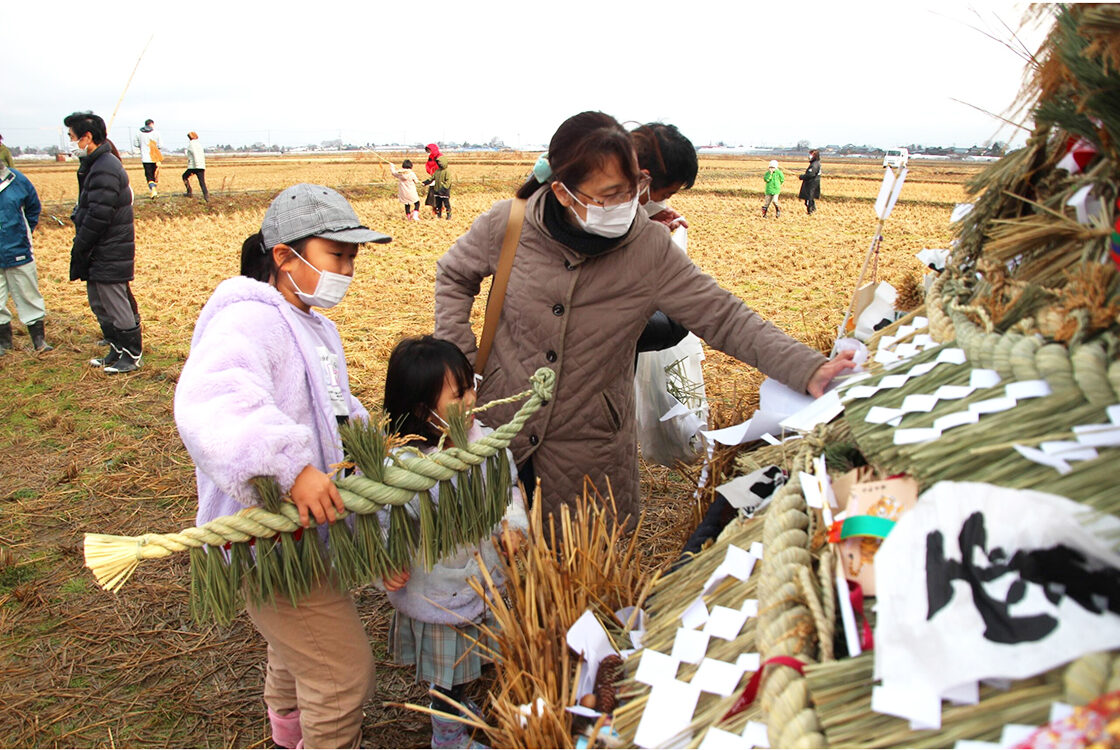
(109, 331)
(187, 185)
(5, 338)
(131, 349)
(38, 340)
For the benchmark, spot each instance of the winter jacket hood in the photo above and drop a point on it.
(19, 215)
(433, 154)
(104, 248)
(581, 316)
(252, 399)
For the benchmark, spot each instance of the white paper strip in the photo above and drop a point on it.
(861, 391)
(1114, 414)
(967, 694)
(824, 409)
(1016, 734)
(725, 623)
(750, 661)
(912, 702)
(696, 614)
(756, 734)
(920, 322)
(689, 646)
(953, 392)
(1099, 435)
(1041, 457)
(992, 405)
(956, 419)
(952, 356)
(668, 712)
(919, 402)
(718, 677)
(918, 370)
(1025, 389)
(1069, 450)
(656, 667)
(893, 381)
(719, 739)
(981, 378)
(916, 435)
(1060, 711)
(882, 414)
(750, 607)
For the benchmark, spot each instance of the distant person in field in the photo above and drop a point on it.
(5, 154)
(811, 182)
(104, 251)
(406, 189)
(774, 179)
(263, 393)
(430, 167)
(196, 165)
(440, 182)
(19, 215)
(589, 270)
(150, 146)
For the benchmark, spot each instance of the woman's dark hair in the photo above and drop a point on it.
(668, 155)
(814, 154)
(407, 164)
(414, 381)
(256, 259)
(86, 122)
(582, 144)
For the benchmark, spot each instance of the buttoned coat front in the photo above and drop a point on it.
(581, 316)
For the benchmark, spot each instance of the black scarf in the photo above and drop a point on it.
(571, 236)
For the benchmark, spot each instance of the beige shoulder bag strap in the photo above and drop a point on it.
(501, 281)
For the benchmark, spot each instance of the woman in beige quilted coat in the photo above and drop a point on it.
(589, 271)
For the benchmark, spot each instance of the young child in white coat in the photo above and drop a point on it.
(406, 190)
(435, 624)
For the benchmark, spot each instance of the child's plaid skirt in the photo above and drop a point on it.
(443, 655)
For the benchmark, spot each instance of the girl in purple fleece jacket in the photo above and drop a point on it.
(262, 393)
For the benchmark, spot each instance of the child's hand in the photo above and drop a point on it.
(396, 581)
(314, 494)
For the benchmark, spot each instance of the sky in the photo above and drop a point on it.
(749, 74)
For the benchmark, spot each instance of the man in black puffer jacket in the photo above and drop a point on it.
(104, 250)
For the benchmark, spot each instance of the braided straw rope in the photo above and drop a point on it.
(786, 623)
(112, 559)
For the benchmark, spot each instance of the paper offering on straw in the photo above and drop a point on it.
(719, 739)
(750, 662)
(756, 735)
(718, 677)
(725, 623)
(911, 701)
(667, 714)
(588, 639)
(696, 614)
(981, 378)
(822, 410)
(690, 646)
(656, 667)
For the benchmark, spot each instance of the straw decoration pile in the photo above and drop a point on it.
(1030, 293)
(590, 564)
(263, 551)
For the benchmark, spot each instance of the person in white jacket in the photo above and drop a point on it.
(196, 165)
(406, 190)
(150, 146)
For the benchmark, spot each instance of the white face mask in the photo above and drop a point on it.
(611, 221)
(77, 150)
(328, 292)
(653, 207)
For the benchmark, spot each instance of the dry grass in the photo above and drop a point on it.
(83, 452)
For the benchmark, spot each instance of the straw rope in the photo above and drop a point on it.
(785, 622)
(113, 559)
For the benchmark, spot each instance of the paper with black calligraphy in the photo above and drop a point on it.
(981, 581)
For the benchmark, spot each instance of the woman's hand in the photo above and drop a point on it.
(396, 581)
(669, 218)
(842, 362)
(314, 494)
(510, 540)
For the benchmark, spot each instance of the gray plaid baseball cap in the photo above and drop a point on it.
(307, 210)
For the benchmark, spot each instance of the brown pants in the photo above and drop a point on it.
(319, 661)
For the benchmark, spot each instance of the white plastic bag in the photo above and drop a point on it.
(671, 405)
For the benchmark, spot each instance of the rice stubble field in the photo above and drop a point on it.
(82, 451)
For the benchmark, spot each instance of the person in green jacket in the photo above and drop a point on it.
(773, 178)
(441, 184)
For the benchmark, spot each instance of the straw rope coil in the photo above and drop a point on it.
(785, 622)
